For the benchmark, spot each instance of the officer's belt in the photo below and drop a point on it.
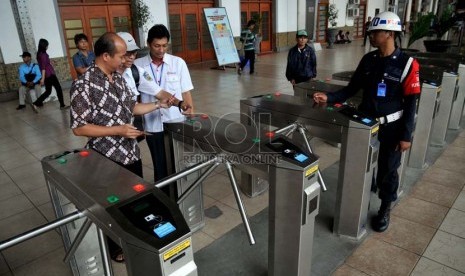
(390, 117)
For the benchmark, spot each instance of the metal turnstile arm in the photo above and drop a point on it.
(287, 130)
(77, 241)
(197, 183)
(240, 205)
(320, 178)
(292, 128)
(174, 177)
(104, 251)
(41, 229)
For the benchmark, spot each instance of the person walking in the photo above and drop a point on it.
(389, 79)
(49, 78)
(301, 60)
(248, 43)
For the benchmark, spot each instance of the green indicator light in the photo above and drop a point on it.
(190, 121)
(269, 97)
(329, 108)
(256, 140)
(62, 160)
(112, 199)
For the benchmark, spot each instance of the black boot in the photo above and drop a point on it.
(381, 222)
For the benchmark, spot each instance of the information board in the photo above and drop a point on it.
(221, 34)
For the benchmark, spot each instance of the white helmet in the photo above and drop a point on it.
(387, 21)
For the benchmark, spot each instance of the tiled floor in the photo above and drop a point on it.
(427, 235)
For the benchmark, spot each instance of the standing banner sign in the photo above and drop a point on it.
(221, 34)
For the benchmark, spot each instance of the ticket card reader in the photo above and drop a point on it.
(337, 123)
(141, 219)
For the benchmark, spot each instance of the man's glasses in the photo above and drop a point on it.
(131, 53)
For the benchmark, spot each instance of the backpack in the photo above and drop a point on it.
(138, 120)
(30, 76)
(135, 75)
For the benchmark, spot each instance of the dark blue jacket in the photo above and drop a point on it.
(301, 64)
(401, 93)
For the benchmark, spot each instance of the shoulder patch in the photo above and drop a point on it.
(147, 76)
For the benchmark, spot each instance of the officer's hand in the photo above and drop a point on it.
(129, 131)
(403, 146)
(319, 97)
(293, 82)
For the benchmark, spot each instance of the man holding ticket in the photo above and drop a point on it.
(390, 83)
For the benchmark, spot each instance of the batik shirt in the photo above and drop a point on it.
(95, 100)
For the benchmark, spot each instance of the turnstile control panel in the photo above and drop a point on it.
(135, 214)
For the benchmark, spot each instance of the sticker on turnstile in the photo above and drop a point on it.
(375, 129)
(311, 171)
(300, 157)
(164, 229)
(176, 249)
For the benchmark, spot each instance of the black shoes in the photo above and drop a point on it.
(381, 222)
(21, 106)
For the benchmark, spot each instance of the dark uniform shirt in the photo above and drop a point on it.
(95, 100)
(400, 74)
(301, 64)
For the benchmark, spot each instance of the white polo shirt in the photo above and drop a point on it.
(146, 83)
(173, 77)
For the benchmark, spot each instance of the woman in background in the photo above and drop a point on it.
(48, 76)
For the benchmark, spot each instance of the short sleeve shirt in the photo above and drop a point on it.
(95, 100)
(80, 60)
(173, 77)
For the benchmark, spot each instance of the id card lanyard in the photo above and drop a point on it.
(381, 89)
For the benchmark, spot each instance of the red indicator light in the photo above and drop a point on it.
(138, 187)
(204, 116)
(277, 94)
(269, 134)
(337, 105)
(84, 153)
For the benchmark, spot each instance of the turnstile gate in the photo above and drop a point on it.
(336, 123)
(427, 109)
(449, 92)
(291, 171)
(457, 62)
(148, 226)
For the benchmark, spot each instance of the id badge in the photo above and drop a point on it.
(381, 89)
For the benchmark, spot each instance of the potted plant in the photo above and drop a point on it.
(431, 25)
(331, 31)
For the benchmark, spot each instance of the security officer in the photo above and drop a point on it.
(390, 83)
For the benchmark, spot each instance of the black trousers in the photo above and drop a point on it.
(156, 143)
(387, 178)
(249, 55)
(365, 38)
(49, 82)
